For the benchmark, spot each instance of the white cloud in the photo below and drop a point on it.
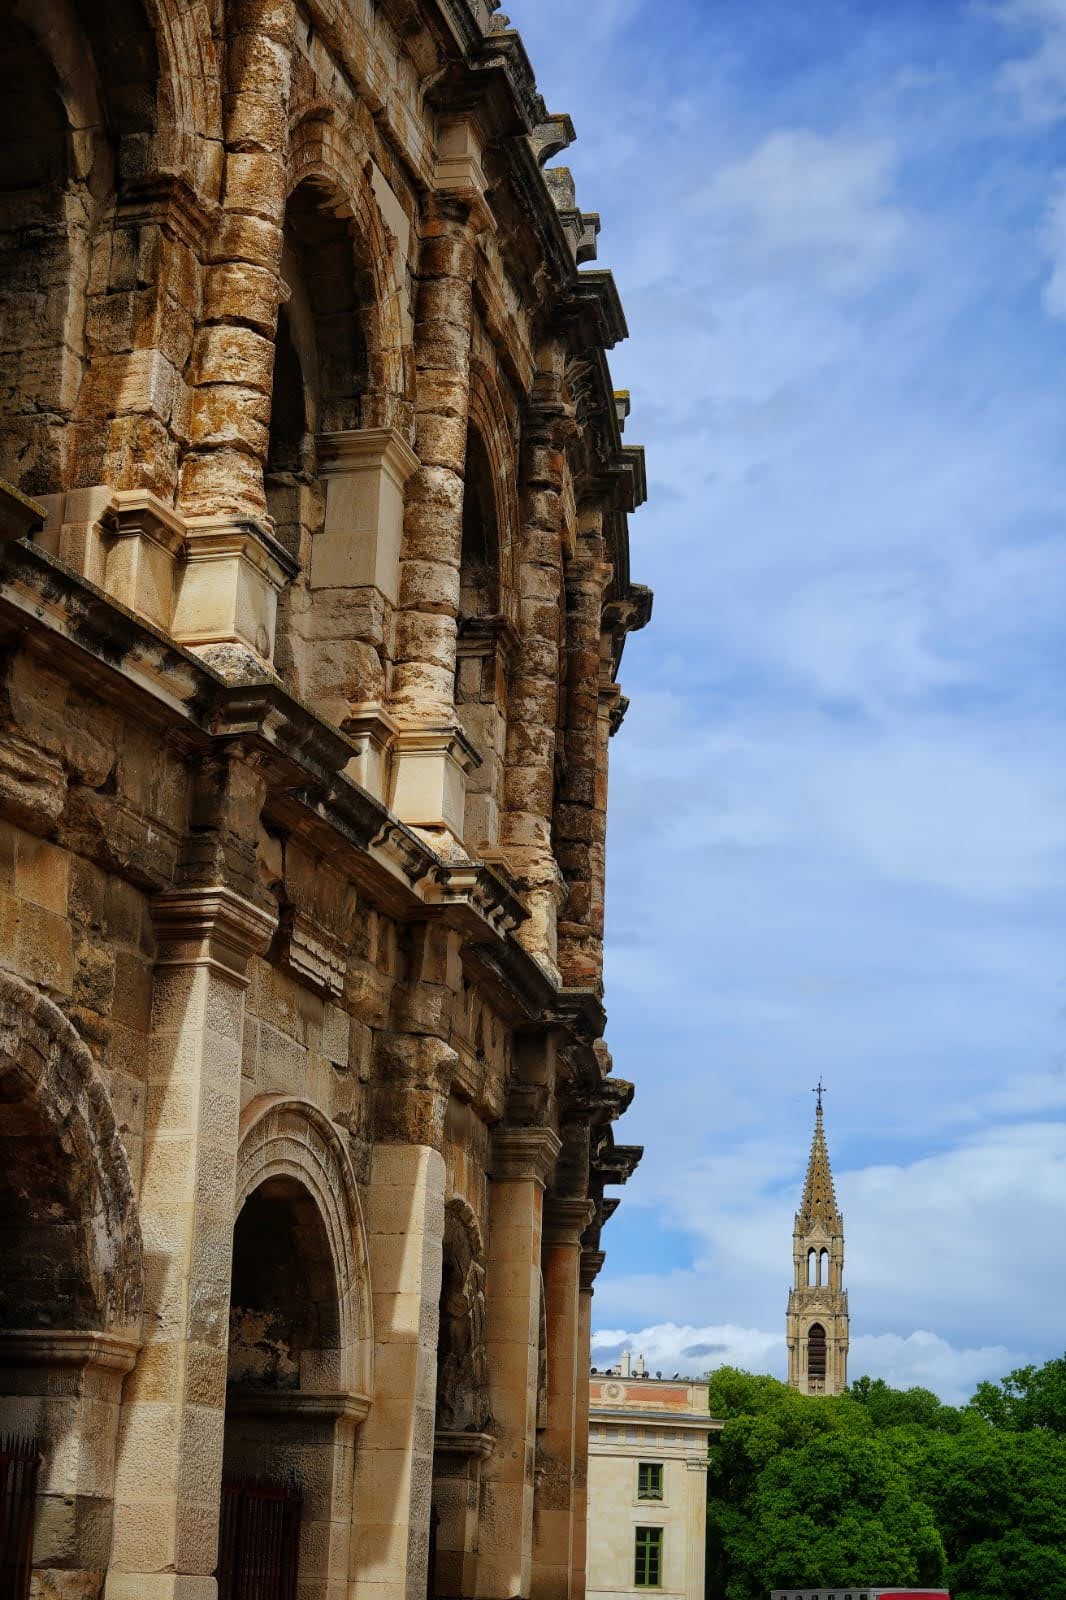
(816, 205)
(926, 1361)
(1037, 78)
(692, 1351)
(917, 1359)
(837, 836)
(1054, 240)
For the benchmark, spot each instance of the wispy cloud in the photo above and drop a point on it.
(838, 836)
(814, 207)
(1036, 78)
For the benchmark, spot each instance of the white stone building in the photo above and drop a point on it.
(647, 1485)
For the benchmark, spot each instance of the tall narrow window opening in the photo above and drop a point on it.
(648, 1566)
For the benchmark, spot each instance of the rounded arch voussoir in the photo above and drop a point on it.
(291, 1138)
(45, 1062)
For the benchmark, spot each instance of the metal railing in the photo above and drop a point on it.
(20, 1463)
(259, 1540)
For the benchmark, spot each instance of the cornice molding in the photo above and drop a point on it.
(213, 927)
(521, 1154)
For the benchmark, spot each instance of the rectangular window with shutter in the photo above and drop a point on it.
(649, 1558)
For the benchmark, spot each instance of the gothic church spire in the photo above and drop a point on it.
(817, 1320)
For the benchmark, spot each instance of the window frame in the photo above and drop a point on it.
(655, 1490)
(648, 1552)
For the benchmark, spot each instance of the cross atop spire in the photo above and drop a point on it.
(819, 1203)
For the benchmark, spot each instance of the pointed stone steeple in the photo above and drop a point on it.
(817, 1320)
(819, 1203)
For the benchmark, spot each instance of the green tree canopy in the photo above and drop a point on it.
(882, 1485)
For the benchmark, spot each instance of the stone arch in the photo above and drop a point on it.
(283, 1138)
(490, 406)
(327, 152)
(488, 603)
(71, 1280)
(300, 1357)
(120, 106)
(816, 1353)
(52, 1095)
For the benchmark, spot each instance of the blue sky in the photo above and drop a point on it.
(838, 825)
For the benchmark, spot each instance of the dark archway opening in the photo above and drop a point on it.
(60, 1371)
(485, 647)
(816, 1353)
(35, 263)
(281, 1435)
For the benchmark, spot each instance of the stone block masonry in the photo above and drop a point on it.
(314, 587)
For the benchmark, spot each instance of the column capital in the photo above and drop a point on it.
(566, 1218)
(591, 1265)
(519, 1153)
(213, 927)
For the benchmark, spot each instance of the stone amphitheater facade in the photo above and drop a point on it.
(314, 584)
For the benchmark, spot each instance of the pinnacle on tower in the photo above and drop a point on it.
(819, 1203)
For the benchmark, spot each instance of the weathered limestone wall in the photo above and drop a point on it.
(314, 585)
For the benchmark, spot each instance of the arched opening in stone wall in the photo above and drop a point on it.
(77, 119)
(812, 1258)
(320, 459)
(816, 1353)
(461, 1440)
(485, 647)
(39, 351)
(823, 1266)
(70, 1282)
(285, 1411)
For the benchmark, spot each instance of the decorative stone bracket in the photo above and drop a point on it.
(429, 768)
(366, 472)
(207, 581)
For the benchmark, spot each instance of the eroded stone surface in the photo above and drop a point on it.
(314, 583)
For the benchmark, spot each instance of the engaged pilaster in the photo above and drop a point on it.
(565, 1220)
(169, 1468)
(405, 1233)
(522, 1164)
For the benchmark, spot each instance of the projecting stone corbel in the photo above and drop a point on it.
(234, 570)
(552, 137)
(141, 540)
(429, 768)
(459, 171)
(373, 732)
(366, 471)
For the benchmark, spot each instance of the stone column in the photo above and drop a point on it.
(523, 1160)
(591, 1262)
(580, 815)
(430, 757)
(529, 783)
(169, 1462)
(405, 1235)
(565, 1220)
(233, 353)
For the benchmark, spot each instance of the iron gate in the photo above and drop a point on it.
(259, 1540)
(20, 1461)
